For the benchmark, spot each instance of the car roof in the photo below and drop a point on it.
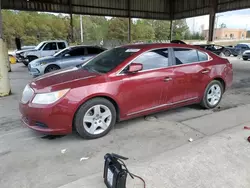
(55, 41)
(157, 45)
(245, 43)
(84, 46)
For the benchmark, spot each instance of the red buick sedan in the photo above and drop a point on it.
(123, 83)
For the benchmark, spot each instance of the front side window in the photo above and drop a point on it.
(62, 52)
(50, 46)
(153, 59)
(108, 60)
(244, 46)
(185, 56)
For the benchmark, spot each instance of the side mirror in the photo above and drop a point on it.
(67, 55)
(135, 67)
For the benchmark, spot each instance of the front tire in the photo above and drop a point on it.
(212, 95)
(227, 53)
(31, 58)
(245, 58)
(95, 118)
(51, 68)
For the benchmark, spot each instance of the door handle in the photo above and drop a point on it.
(167, 79)
(205, 71)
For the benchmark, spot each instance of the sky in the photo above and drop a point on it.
(239, 19)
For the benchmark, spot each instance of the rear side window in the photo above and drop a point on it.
(202, 56)
(77, 52)
(153, 59)
(94, 50)
(185, 56)
(61, 45)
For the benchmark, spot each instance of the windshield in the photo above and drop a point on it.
(39, 46)
(108, 60)
(64, 51)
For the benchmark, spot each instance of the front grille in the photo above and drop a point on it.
(42, 125)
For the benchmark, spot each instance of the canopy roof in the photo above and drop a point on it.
(150, 9)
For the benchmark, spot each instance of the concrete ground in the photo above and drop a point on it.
(157, 145)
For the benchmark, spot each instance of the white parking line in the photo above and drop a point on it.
(16, 132)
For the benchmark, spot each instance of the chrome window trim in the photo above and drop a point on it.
(162, 105)
(118, 72)
(209, 59)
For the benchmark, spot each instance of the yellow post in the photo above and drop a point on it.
(4, 77)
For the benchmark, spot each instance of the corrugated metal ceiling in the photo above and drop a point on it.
(151, 9)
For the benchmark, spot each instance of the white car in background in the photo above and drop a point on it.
(45, 48)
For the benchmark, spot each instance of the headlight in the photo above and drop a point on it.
(40, 63)
(27, 94)
(49, 98)
(21, 54)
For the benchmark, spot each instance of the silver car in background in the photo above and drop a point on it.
(71, 56)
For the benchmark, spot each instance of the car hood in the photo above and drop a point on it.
(246, 51)
(47, 59)
(61, 79)
(27, 50)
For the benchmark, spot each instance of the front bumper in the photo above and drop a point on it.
(21, 59)
(246, 56)
(51, 119)
(36, 71)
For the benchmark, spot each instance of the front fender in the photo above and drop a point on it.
(33, 53)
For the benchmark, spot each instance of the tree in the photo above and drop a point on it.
(118, 29)
(143, 31)
(180, 27)
(34, 27)
(162, 29)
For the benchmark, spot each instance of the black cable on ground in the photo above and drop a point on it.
(139, 178)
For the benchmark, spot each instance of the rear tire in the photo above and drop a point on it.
(51, 68)
(245, 59)
(212, 95)
(95, 118)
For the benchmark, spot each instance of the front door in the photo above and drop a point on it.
(143, 91)
(190, 75)
(49, 49)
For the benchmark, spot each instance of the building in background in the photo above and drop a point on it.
(248, 34)
(226, 33)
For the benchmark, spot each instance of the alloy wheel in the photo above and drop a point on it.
(97, 119)
(214, 94)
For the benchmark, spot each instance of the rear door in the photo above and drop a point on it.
(143, 91)
(74, 57)
(61, 45)
(190, 74)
